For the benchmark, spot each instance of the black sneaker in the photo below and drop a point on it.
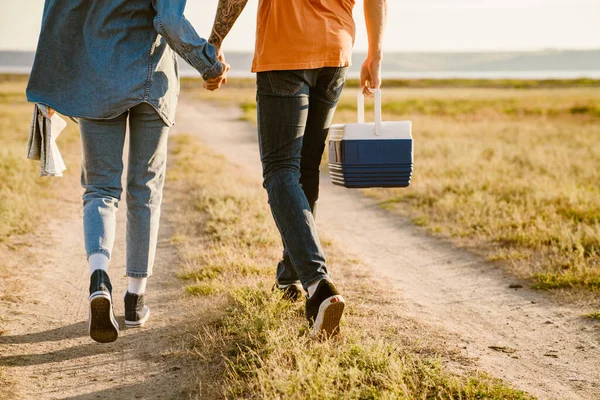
(324, 309)
(103, 326)
(292, 292)
(136, 311)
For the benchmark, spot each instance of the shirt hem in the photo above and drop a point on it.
(168, 121)
(303, 65)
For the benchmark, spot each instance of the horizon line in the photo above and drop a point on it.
(538, 50)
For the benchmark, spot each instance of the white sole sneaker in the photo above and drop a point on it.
(102, 325)
(328, 318)
(139, 323)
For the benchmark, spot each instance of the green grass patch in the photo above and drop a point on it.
(595, 316)
(210, 272)
(260, 347)
(247, 269)
(201, 290)
(486, 83)
(249, 109)
(206, 273)
(567, 280)
(420, 220)
(469, 107)
(270, 356)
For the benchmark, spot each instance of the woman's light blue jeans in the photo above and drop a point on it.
(101, 170)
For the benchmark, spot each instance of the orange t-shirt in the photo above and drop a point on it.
(303, 34)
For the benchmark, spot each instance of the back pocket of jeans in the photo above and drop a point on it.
(334, 89)
(286, 83)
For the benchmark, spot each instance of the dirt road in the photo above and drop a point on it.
(519, 335)
(44, 346)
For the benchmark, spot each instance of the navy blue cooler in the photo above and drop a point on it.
(376, 154)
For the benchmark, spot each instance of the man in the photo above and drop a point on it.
(303, 49)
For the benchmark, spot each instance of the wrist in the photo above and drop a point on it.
(376, 55)
(216, 42)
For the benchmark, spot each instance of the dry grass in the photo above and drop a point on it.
(508, 172)
(22, 191)
(257, 345)
(26, 200)
(519, 187)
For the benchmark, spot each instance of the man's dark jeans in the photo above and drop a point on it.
(295, 109)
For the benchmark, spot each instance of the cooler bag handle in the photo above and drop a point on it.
(361, 109)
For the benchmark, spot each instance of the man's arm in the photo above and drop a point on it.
(375, 17)
(228, 12)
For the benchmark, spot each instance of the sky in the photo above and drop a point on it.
(413, 25)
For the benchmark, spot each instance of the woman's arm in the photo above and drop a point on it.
(375, 17)
(181, 36)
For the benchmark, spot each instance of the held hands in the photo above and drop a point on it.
(215, 83)
(370, 75)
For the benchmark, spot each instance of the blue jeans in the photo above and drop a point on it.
(295, 110)
(101, 171)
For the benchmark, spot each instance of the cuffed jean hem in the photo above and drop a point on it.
(284, 282)
(98, 251)
(315, 280)
(138, 274)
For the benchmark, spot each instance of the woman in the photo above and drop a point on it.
(111, 65)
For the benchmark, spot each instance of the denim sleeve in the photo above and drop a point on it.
(181, 36)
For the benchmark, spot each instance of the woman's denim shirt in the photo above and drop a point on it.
(98, 58)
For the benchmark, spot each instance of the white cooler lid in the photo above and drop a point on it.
(366, 131)
(377, 130)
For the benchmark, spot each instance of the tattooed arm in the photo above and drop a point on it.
(228, 12)
(181, 36)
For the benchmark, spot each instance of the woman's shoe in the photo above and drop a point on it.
(103, 326)
(136, 311)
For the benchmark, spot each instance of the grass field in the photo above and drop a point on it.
(22, 192)
(257, 345)
(506, 171)
(506, 168)
(26, 200)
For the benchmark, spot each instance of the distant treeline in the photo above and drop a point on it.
(410, 83)
(443, 83)
(486, 83)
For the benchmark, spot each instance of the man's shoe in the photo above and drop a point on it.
(136, 311)
(292, 292)
(324, 309)
(103, 326)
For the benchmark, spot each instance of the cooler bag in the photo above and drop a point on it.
(377, 154)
